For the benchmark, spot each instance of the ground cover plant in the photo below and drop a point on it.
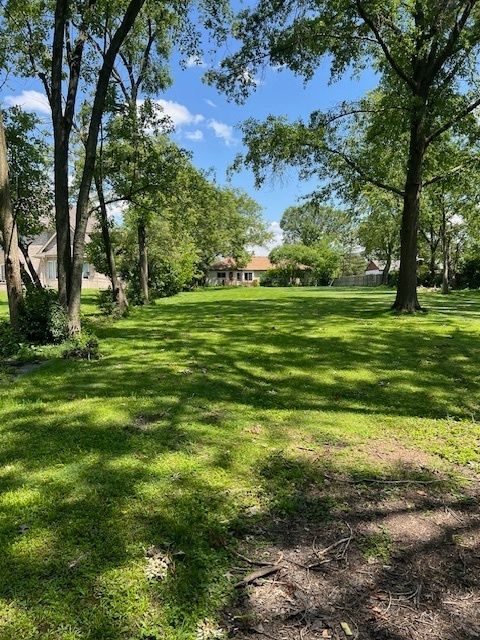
(307, 428)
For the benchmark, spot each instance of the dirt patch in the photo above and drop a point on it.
(394, 562)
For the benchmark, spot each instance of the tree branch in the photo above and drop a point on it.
(377, 183)
(452, 172)
(450, 123)
(391, 60)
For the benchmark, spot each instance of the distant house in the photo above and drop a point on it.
(226, 272)
(376, 267)
(43, 254)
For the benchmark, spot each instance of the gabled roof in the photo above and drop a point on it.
(257, 263)
(49, 245)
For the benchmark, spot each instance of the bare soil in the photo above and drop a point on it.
(394, 561)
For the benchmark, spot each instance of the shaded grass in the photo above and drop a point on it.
(194, 415)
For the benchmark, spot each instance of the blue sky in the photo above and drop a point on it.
(207, 123)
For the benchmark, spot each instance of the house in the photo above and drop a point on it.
(376, 267)
(226, 272)
(43, 254)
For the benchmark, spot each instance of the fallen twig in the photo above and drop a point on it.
(251, 577)
(259, 563)
(383, 481)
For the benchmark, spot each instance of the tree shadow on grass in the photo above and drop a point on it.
(102, 461)
(394, 561)
(231, 350)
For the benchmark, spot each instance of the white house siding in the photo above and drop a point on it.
(214, 280)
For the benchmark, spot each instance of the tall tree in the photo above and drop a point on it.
(30, 181)
(9, 237)
(56, 56)
(379, 232)
(426, 54)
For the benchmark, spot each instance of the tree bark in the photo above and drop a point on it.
(117, 287)
(61, 137)
(33, 272)
(82, 213)
(10, 238)
(445, 255)
(386, 269)
(407, 299)
(143, 261)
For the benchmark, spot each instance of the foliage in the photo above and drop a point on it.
(352, 264)
(95, 249)
(81, 347)
(43, 319)
(317, 264)
(379, 231)
(313, 222)
(108, 305)
(280, 276)
(9, 340)
(29, 168)
(171, 258)
(468, 276)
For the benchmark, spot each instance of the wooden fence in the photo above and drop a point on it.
(373, 280)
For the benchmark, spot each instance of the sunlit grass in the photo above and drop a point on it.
(186, 422)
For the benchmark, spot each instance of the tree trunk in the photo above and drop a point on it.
(143, 261)
(10, 238)
(386, 269)
(62, 217)
(445, 255)
(82, 214)
(407, 300)
(33, 272)
(61, 136)
(117, 287)
(433, 262)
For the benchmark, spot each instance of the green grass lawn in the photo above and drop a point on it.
(197, 413)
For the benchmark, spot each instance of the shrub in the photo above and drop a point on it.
(108, 304)
(82, 347)
(276, 277)
(9, 340)
(468, 276)
(42, 319)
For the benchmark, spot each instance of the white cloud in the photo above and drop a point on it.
(196, 61)
(179, 114)
(249, 79)
(196, 135)
(277, 240)
(222, 131)
(210, 103)
(29, 100)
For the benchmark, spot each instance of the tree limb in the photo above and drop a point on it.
(450, 123)
(388, 54)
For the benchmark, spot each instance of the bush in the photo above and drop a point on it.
(393, 279)
(9, 340)
(468, 276)
(82, 347)
(277, 277)
(42, 319)
(108, 304)
(425, 279)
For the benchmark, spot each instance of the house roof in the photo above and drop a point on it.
(257, 263)
(49, 247)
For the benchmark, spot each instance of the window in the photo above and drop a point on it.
(239, 275)
(86, 270)
(221, 275)
(248, 276)
(2, 273)
(52, 270)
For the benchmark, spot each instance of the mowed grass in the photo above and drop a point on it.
(195, 420)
